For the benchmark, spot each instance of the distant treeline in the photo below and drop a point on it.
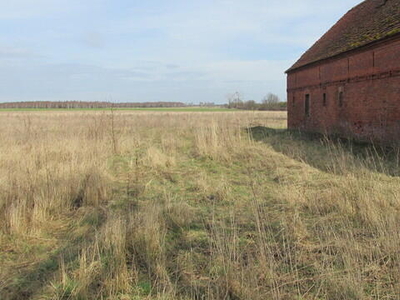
(83, 104)
(253, 105)
(269, 102)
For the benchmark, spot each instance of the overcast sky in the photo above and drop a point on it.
(155, 50)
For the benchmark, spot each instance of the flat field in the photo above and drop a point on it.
(160, 109)
(192, 205)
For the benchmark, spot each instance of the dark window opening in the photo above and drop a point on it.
(324, 100)
(293, 100)
(373, 59)
(307, 105)
(341, 96)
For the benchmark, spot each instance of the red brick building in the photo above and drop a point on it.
(348, 83)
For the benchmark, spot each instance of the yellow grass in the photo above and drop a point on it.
(185, 205)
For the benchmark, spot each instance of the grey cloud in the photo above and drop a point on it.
(187, 75)
(172, 66)
(13, 52)
(24, 9)
(93, 40)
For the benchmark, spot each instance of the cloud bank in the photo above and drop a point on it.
(189, 51)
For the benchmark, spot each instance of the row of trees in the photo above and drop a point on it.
(84, 104)
(269, 102)
(235, 101)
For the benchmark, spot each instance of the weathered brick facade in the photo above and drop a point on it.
(355, 93)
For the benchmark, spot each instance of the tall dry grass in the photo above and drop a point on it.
(150, 205)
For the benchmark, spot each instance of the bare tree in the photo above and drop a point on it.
(270, 102)
(270, 99)
(235, 100)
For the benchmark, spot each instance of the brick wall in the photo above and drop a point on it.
(367, 80)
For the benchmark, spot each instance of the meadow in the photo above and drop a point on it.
(160, 109)
(192, 205)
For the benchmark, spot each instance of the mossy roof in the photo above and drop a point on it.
(370, 21)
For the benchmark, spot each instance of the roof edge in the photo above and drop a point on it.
(370, 44)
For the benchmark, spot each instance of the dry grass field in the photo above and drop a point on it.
(192, 205)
